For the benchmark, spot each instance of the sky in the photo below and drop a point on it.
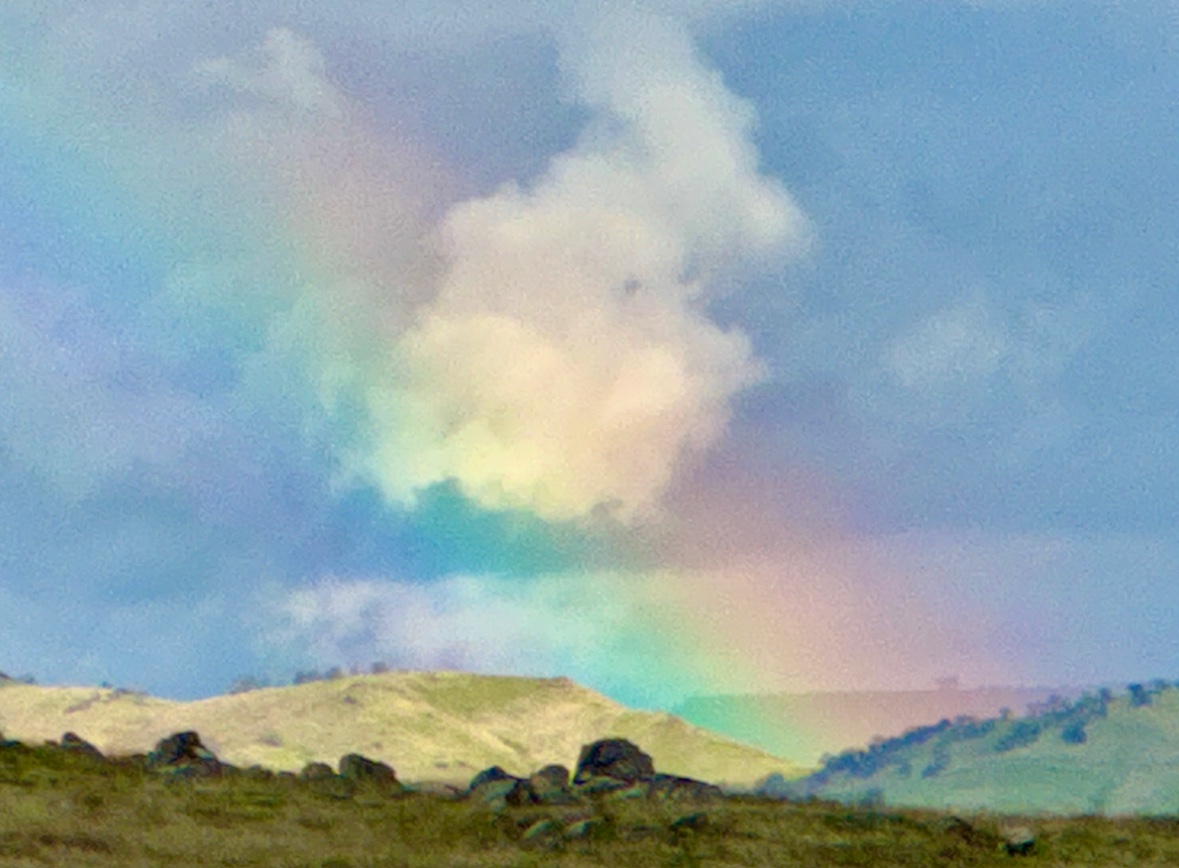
(678, 348)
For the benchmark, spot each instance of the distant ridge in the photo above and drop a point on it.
(430, 726)
(1101, 753)
(802, 727)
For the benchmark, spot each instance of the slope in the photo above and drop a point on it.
(1100, 754)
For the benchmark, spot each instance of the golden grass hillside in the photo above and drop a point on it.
(430, 726)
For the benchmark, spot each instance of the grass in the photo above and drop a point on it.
(62, 808)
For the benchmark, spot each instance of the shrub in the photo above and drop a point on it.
(1074, 733)
(1021, 734)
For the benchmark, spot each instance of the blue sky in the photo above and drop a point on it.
(926, 323)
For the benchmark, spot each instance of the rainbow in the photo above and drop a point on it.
(298, 248)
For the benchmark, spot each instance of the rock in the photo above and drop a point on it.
(1019, 841)
(73, 742)
(600, 787)
(973, 837)
(542, 833)
(259, 773)
(591, 827)
(497, 789)
(495, 773)
(551, 786)
(677, 789)
(316, 772)
(550, 777)
(438, 790)
(614, 758)
(690, 822)
(355, 767)
(182, 754)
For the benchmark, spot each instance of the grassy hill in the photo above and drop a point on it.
(802, 727)
(1099, 754)
(435, 726)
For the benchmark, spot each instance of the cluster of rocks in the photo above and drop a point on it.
(611, 768)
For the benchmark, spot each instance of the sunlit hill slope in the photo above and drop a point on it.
(439, 726)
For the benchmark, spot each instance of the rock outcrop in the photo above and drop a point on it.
(183, 755)
(614, 758)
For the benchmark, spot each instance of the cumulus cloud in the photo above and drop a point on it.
(568, 360)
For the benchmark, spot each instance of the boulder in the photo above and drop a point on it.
(542, 833)
(361, 769)
(614, 758)
(73, 742)
(497, 789)
(690, 822)
(495, 773)
(182, 754)
(437, 789)
(258, 773)
(591, 827)
(676, 789)
(551, 786)
(550, 777)
(602, 787)
(971, 836)
(316, 771)
(1019, 841)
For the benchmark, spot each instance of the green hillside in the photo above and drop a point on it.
(1099, 754)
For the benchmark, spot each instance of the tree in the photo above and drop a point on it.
(1074, 733)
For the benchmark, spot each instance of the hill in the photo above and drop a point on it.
(430, 726)
(802, 727)
(1099, 754)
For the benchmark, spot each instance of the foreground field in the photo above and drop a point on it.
(63, 808)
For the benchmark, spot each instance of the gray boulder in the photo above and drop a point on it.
(614, 758)
(676, 789)
(551, 786)
(497, 789)
(316, 771)
(362, 770)
(183, 755)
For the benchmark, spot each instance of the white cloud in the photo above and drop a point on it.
(568, 361)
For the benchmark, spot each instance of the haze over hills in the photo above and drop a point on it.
(802, 727)
(430, 726)
(1102, 753)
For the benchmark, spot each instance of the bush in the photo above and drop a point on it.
(1074, 733)
(1021, 734)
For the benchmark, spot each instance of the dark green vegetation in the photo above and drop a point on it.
(1098, 754)
(72, 807)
